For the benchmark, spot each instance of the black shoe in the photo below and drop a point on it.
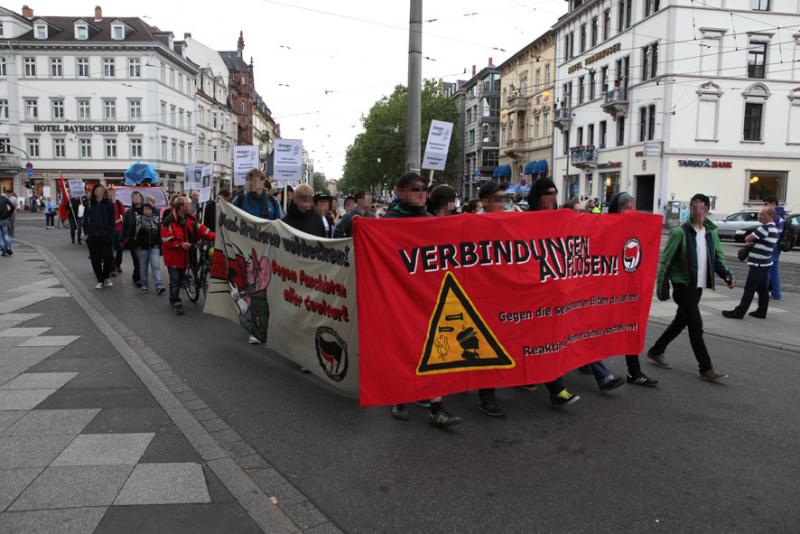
(138, 285)
(658, 359)
(730, 314)
(178, 308)
(442, 418)
(642, 380)
(160, 290)
(492, 408)
(612, 382)
(424, 403)
(757, 314)
(399, 412)
(563, 398)
(9, 252)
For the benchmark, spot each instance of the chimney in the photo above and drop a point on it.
(98, 13)
(490, 62)
(187, 35)
(27, 12)
(473, 70)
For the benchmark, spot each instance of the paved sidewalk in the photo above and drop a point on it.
(84, 445)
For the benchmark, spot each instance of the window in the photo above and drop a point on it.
(592, 76)
(59, 148)
(642, 123)
(595, 29)
(82, 34)
(536, 121)
(3, 109)
(565, 142)
(83, 67)
(620, 15)
(163, 73)
(171, 77)
(753, 113)
(756, 59)
(547, 74)
(85, 147)
(537, 80)
(759, 5)
(214, 119)
(545, 123)
(604, 79)
(650, 7)
(3, 68)
(180, 82)
(134, 68)
(31, 108)
(580, 89)
(620, 130)
(172, 115)
(84, 109)
(606, 24)
(5, 145)
(163, 112)
(761, 184)
(579, 136)
(189, 152)
(523, 83)
(110, 148)
(33, 147)
(649, 61)
(181, 115)
(118, 32)
(189, 120)
(244, 107)
(590, 135)
(571, 45)
(164, 148)
(583, 37)
(40, 31)
(135, 109)
(30, 66)
(109, 109)
(56, 67)
(1, 28)
(109, 67)
(215, 152)
(603, 131)
(57, 108)
(136, 148)
(651, 128)
(174, 150)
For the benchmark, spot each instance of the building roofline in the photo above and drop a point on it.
(549, 34)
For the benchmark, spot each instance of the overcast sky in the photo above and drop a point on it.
(355, 49)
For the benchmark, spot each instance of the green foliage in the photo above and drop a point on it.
(318, 183)
(384, 138)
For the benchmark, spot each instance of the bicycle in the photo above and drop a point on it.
(196, 274)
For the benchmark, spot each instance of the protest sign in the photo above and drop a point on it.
(245, 158)
(437, 145)
(287, 161)
(198, 177)
(76, 188)
(476, 301)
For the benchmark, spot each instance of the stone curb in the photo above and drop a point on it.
(786, 347)
(270, 499)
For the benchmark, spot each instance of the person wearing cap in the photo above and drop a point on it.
(691, 257)
(363, 199)
(412, 196)
(493, 197)
(257, 200)
(302, 214)
(322, 204)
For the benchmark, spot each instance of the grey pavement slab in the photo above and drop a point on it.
(31, 451)
(105, 397)
(229, 518)
(23, 399)
(48, 422)
(39, 381)
(23, 301)
(73, 487)
(130, 420)
(165, 483)
(13, 482)
(170, 446)
(49, 341)
(19, 359)
(51, 281)
(104, 449)
(31, 331)
(70, 521)
(9, 417)
(8, 342)
(5, 377)
(21, 317)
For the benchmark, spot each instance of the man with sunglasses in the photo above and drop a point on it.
(363, 201)
(493, 197)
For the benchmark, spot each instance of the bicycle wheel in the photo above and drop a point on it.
(203, 280)
(190, 286)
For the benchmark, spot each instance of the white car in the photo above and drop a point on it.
(727, 227)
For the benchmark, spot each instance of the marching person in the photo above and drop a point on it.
(75, 217)
(129, 233)
(147, 247)
(98, 227)
(119, 213)
(50, 208)
(412, 196)
(322, 203)
(780, 221)
(691, 257)
(363, 199)
(762, 242)
(210, 210)
(257, 200)
(7, 209)
(179, 232)
(302, 214)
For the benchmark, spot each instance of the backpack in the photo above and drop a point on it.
(788, 237)
(5, 207)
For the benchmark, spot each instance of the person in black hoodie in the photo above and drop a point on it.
(129, 232)
(98, 227)
(147, 244)
(74, 219)
(302, 214)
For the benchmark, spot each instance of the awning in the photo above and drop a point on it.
(502, 171)
(536, 167)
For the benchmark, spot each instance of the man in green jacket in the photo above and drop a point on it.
(691, 257)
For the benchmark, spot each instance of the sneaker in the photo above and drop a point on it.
(529, 387)
(145, 290)
(563, 398)
(159, 291)
(492, 408)
(98, 285)
(425, 403)
(253, 340)
(108, 283)
(730, 314)
(642, 380)
(757, 314)
(612, 382)
(399, 412)
(442, 418)
(9, 252)
(712, 376)
(658, 359)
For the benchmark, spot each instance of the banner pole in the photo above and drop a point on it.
(285, 197)
(430, 177)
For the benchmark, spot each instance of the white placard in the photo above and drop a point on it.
(288, 161)
(46, 190)
(76, 188)
(245, 158)
(437, 146)
(198, 177)
(205, 195)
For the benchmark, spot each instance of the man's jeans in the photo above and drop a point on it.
(688, 314)
(5, 241)
(757, 282)
(151, 257)
(775, 275)
(175, 284)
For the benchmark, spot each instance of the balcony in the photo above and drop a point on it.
(615, 101)
(583, 157)
(562, 118)
(516, 101)
(9, 162)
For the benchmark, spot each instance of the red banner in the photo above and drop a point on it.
(63, 208)
(473, 301)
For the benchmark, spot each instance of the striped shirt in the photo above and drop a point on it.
(766, 238)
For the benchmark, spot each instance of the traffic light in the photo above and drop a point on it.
(29, 184)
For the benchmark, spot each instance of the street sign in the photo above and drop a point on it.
(29, 166)
(652, 148)
(29, 172)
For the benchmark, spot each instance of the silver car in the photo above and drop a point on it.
(727, 227)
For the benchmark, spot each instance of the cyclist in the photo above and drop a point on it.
(179, 232)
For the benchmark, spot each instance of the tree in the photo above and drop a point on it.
(376, 158)
(318, 183)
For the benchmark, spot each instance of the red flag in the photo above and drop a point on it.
(465, 302)
(64, 207)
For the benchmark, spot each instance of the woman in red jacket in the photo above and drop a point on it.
(179, 231)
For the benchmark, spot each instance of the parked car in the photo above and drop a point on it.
(727, 227)
(792, 219)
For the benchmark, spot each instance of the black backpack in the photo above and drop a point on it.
(5, 207)
(788, 237)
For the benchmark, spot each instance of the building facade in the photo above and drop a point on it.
(87, 96)
(454, 91)
(241, 91)
(526, 103)
(665, 99)
(265, 129)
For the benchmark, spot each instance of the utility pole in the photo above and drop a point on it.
(414, 112)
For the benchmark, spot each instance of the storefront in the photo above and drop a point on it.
(610, 178)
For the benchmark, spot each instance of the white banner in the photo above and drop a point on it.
(76, 188)
(288, 161)
(292, 290)
(438, 145)
(245, 158)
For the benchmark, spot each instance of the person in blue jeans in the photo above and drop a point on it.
(774, 276)
(148, 248)
(7, 209)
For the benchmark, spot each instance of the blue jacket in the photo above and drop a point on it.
(266, 207)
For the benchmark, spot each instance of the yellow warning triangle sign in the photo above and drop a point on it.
(458, 337)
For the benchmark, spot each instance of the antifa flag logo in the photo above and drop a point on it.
(631, 255)
(331, 353)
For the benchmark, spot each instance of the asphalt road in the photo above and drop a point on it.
(686, 457)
